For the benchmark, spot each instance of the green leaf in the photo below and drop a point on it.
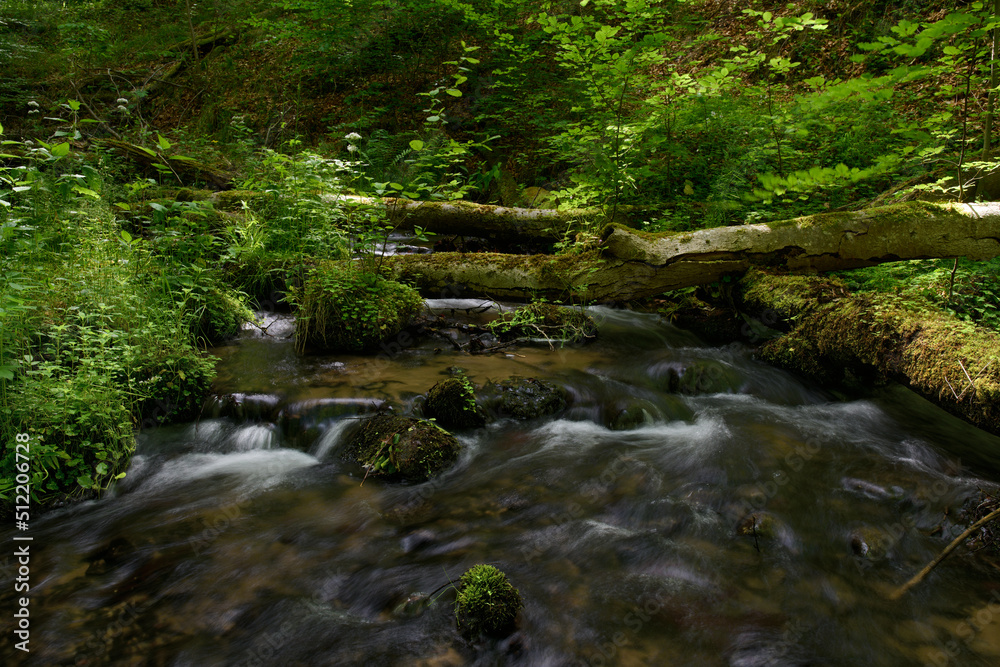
(61, 150)
(86, 191)
(416, 144)
(162, 141)
(85, 481)
(396, 186)
(102, 468)
(454, 92)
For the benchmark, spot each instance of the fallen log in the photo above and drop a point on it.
(504, 224)
(186, 170)
(839, 338)
(630, 265)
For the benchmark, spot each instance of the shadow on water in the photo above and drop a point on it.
(690, 506)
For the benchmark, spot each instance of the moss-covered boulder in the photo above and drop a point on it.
(704, 376)
(452, 402)
(487, 603)
(340, 308)
(523, 398)
(402, 448)
(545, 320)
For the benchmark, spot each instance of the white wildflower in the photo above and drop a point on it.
(33, 104)
(352, 148)
(121, 100)
(29, 142)
(121, 108)
(33, 111)
(353, 136)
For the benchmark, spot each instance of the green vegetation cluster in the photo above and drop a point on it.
(98, 328)
(342, 308)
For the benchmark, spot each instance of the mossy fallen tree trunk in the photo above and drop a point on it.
(631, 265)
(186, 170)
(840, 338)
(505, 224)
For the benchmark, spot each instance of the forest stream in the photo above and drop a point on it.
(744, 518)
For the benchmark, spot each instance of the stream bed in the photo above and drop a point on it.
(739, 516)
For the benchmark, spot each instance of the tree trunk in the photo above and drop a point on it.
(631, 265)
(499, 223)
(837, 337)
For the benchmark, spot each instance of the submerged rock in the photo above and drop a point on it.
(452, 402)
(402, 448)
(871, 543)
(523, 398)
(705, 376)
(487, 603)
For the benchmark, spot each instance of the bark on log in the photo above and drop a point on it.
(836, 337)
(504, 224)
(631, 265)
(186, 170)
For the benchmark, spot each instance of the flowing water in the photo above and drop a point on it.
(689, 507)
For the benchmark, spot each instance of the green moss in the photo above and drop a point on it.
(341, 308)
(402, 448)
(223, 313)
(872, 338)
(452, 402)
(487, 603)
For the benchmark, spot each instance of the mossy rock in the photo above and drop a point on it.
(871, 543)
(342, 309)
(702, 377)
(523, 398)
(545, 320)
(452, 402)
(487, 603)
(402, 448)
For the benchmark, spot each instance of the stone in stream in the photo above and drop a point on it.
(522, 398)
(704, 376)
(487, 603)
(452, 402)
(402, 448)
(871, 543)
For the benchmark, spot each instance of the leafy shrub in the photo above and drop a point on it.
(342, 308)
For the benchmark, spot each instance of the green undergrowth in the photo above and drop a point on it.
(99, 329)
(970, 290)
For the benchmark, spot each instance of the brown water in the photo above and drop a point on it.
(722, 529)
